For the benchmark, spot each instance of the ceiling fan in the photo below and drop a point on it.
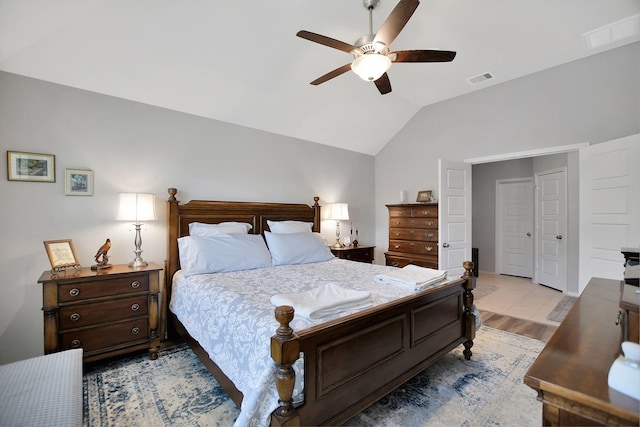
(372, 57)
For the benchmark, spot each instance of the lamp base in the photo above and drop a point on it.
(138, 262)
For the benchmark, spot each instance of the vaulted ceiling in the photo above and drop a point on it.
(241, 62)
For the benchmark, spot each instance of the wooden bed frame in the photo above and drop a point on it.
(350, 362)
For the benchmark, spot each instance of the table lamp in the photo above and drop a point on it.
(137, 207)
(338, 212)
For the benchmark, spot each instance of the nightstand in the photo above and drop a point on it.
(360, 253)
(106, 312)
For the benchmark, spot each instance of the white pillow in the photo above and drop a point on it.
(289, 226)
(221, 253)
(201, 229)
(297, 248)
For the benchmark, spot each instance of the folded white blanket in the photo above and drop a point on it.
(412, 277)
(323, 301)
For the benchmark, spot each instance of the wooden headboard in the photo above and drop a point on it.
(213, 212)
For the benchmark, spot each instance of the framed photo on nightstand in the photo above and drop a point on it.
(62, 254)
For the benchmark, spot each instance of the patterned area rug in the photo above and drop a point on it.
(561, 309)
(483, 290)
(177, 390)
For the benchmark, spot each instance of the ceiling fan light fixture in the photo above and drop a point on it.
(371, 67)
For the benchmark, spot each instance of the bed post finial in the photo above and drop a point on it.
(285, 350)
(469, 316)
(172, 194)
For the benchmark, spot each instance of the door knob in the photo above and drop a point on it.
(528, 234)
(559, 237)
(445, 245)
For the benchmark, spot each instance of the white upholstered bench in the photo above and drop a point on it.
(42, 391)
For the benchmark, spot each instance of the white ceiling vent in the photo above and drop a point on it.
(624, 30)
(480, 78)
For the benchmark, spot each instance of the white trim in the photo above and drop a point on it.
(529, 153)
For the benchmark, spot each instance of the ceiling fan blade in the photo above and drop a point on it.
(383, 84)
(423, 55)
(327, 41)
(332, 74)
(396, 21)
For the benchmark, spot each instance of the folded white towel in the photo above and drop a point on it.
(412, 277)
(323, 301)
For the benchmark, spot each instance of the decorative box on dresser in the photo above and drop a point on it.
(105, 312)
(355, 253)
(413, 235)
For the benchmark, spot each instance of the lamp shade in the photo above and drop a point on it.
(137, 207)
(371, 66)
(339, 211)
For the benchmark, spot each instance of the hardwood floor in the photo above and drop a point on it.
(524, 327)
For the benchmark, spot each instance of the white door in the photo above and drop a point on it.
(514, 227)
(609, 206)
(551, 230)
(454, 216)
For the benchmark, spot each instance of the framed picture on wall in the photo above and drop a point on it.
(424, 196)
(30, 167)
(62, 254)
(78, 182)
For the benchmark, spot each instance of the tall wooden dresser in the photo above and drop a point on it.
(413, 235)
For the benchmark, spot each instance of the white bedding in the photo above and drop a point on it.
(231, 316)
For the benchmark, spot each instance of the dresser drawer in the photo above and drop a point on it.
(101, 288)
(81, 315)
(427, 211)
(429, 234)
(401, 261)
(92, 339)
(414, 223)
(425, 248)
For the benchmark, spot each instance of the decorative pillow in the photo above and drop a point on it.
(297, 248)
(289, 226)
(204, 230)
(221, 253)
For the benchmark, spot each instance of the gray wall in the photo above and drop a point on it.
(593, 100)
(136, 147)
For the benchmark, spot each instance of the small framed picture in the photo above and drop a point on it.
(424, 196)
(62, 254)
(78, 182)
(30, 167)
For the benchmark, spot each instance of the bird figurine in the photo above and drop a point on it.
(102, 259)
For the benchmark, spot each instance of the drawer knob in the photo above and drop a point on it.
(426, 213)
(75, 343)
(397, 222)
(429, 235)
(412, 244)
(135, 331)
(396, 246)
(74, 292)
(135, 307)
(397, 234)
(428, 248)
(74, 317)
(135, 284)
(429, 223)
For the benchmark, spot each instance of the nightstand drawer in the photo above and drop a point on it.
(102, 288)
(414, 222)
(91, 314)
(106, 336)
(425, 248)
(429, 235)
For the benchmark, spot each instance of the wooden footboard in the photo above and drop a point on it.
(353, 361)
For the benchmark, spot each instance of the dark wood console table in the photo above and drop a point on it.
(570, 374)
